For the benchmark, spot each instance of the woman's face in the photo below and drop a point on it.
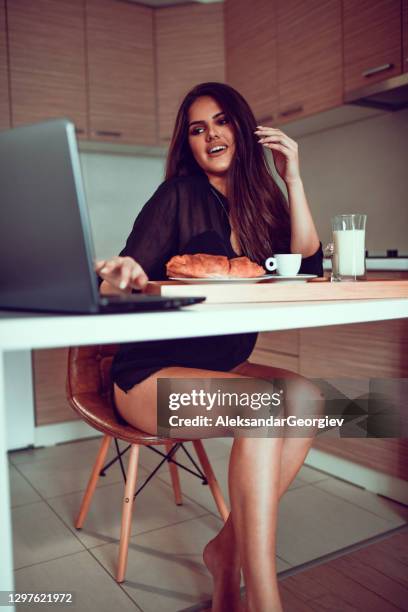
(210, 136)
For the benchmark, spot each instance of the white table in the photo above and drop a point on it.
(23, 332)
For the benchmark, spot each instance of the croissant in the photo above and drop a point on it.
(245, 268)
(198, 266)
(212, 266)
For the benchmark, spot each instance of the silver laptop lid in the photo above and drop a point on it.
(46, 250)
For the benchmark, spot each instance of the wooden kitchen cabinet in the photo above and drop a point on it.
(47, 61)
(121, 72)
(372, 41)
(4, 74)
(251, 55)
(189, 51)
(353, 352)
(49, 376)
(309, 57)
(361, 351)
(279, 349)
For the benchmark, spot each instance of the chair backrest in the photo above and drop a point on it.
(89, 391)
(89, 370)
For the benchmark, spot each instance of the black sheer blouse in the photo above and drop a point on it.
(185, 215)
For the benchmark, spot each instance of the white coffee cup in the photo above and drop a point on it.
(286, 264)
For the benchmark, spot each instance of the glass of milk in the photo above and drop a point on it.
(348, 262)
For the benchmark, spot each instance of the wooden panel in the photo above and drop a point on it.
(121, 72)
(280, 341)
(277, 360)
(50, 372)
(190, 50)
(309, 57)
(405, 35)
(368, 350)
(374, 577)
(47, 61)
(372, 38)
(282, 292)
(250, 54)
(4, 74)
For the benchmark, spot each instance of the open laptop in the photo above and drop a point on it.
(46, 248)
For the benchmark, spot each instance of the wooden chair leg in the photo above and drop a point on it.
(127, 508)
(175, 479)
(212, 481)
(90, 489)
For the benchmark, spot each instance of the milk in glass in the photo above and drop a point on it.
(349, 247)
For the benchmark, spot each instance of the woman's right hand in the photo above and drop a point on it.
(123, 273)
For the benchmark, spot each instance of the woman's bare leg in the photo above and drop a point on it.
(223, 554)
(225, 546)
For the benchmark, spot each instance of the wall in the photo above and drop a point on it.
(117, 186)
(361, 167)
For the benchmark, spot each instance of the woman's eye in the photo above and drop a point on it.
(223, 121)
(197, 130)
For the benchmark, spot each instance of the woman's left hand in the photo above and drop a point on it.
(284, 151)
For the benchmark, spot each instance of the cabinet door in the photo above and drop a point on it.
(4, 75)
(49, 378)
(47, 61)
(190, 50)
(250, 60)
(372, 41)
(121, 72)
(405, 35)
(360, 351)
(309, 57)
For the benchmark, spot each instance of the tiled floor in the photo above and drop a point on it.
(318, 516)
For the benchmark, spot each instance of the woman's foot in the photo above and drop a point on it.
(226, 575)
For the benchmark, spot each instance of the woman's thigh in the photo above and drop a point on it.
(139, 405)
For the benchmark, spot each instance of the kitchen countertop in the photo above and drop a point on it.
(379, 263)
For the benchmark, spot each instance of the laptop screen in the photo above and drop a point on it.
(46, 250)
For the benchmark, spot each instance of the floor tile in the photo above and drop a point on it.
(154, 508)
(65, 470)
(66, 450)
(39, 535)
(165, 568)
(313, 523)
(80, 574)
(311, 475)
(21, 492)
(216, 448)
(395, 513)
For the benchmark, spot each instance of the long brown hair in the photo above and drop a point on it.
(258, 210)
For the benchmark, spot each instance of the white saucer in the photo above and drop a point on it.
(223, 279)
(298, 278)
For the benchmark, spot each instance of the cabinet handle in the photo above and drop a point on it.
(79, 131)
(108, 133)
(291, 111)
(377, 69)
(263, 120)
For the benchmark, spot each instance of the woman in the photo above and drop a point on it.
(219, 197)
